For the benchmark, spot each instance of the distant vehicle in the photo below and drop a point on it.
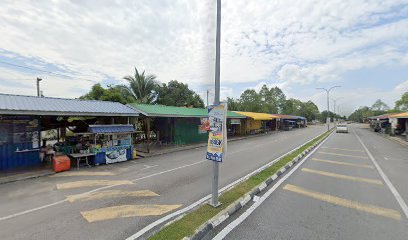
(342, 128)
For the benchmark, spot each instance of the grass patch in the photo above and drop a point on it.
(187, 225)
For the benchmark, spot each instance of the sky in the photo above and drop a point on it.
(295, 45)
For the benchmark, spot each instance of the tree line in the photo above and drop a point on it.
(144, 88)
(273, 100)
(379, 108)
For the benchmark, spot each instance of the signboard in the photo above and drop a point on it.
(235, 121)
(205, 125)
(115, 156)
(217, 136)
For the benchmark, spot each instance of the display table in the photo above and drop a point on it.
(81, 157)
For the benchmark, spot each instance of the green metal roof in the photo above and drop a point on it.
(151, 110)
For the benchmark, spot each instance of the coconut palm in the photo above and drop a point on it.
(142, 86)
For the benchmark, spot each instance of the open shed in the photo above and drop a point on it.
(178, 125)
(23, 118)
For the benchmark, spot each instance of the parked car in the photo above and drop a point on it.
(342, 128)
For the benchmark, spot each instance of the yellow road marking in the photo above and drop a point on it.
(127, 211)
(385, 212)
(341, 176)
(82, 173)
(343, 163)
(111, 194)
(344, 149)
(91, 183)
(343, 155)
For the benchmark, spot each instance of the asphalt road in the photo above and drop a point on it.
(142, 192)
(337, 193)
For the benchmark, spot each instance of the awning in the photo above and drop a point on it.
(258, 116)
(399, 115)
(101, 129)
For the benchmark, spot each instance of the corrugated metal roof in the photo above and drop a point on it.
(33, 105)
(152, 110)
(257, 116)
(399, 115)
(111, 128)
(382, 116)
(284, 116)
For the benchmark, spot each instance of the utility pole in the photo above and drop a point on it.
(208, 91)
(328, 104)
(214, 199)
(38, 86)
(335, 101)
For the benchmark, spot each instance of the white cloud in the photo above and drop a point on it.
(287, 43)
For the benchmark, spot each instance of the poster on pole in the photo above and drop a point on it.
(217, 136)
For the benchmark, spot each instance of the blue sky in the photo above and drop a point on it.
(296, 45)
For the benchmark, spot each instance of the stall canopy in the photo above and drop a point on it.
(47, 106)
(284, 116)
(381, 117)
(399, 115)
(102, 129)
(257, 116)
(151, 110)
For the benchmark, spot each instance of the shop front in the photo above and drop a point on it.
(27, 122)
(19, 141)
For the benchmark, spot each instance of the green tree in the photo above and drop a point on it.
(111, 93)
(361, 114)
(177, 94)
(402, 104)
(380, 106)
(233, 105)
(142, 87)
(250, 101)
(309, 110)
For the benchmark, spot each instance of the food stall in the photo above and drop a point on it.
(112, 143)
(101, 144)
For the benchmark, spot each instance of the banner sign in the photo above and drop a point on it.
(115, 156)
(218, 135)
(235, 121)
(205, 125)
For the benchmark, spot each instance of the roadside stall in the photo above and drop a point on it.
(113, 143)
(258, 122)
(28, 125)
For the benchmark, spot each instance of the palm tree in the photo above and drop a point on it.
(142, 86)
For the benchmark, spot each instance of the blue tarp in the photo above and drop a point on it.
(100, 129)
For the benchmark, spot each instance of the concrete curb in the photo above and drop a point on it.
(16, 179)
(205, 228)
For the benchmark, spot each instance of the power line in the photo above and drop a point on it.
(44, 71)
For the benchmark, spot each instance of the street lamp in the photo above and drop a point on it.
(335, 101)
(328, 104)
(38, 86)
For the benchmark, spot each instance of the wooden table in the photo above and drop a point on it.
(81, 156)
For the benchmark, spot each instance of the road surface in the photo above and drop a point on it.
(129, 195)
(337, 193)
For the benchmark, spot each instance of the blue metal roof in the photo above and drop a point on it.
(111, 129)
(33, 105)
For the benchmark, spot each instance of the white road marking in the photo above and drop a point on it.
(387, 181)
(193, 205)
(248, 212)
(386, 158)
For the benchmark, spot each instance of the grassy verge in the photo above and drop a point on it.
(187, 225)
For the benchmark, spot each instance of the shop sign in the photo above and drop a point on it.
(205, 125)
(217, 136)
(115, 156)
(235, 121)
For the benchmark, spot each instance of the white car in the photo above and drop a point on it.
(342, 128)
